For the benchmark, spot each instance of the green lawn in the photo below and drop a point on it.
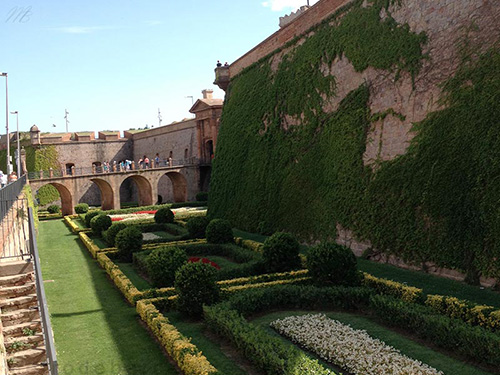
(95, 331)
(129, 270)
(99, 241)
(210, 349)
(222, 262)
(429, 283)
(403, 344)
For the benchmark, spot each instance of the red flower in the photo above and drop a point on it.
(145, 212)
(203, 260)
(116, 218)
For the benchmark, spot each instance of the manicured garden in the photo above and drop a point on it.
(211, 299)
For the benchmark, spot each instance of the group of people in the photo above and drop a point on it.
(219, 64)
(126, 165)
(5, 180)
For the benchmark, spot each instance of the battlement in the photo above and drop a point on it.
(285, 20)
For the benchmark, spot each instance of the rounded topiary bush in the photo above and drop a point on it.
(54, 209)
(89, 216)
(202, 196)
(219, 231)
(196, 285)
(197, 226)
(281, 252)
(164, 215)
(128, 241)
(163, 263)
(100, 223)
(330, 263)
(81, 208)
(112, 231)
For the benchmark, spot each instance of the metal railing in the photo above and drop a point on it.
(9, 194)
(116, 168)
(42, 300)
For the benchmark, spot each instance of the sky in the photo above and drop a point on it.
(113, 64)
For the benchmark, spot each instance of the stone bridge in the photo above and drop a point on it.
(185, 183)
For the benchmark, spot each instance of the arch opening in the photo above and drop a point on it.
(65, 196)
(172, 187)
(138, 189)
(107, 193)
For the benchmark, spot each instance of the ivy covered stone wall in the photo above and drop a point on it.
(382, 120)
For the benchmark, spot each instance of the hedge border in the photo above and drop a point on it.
(186, 355)
(72, 225)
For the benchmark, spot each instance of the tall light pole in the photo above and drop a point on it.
(7, 121)
(18, 157)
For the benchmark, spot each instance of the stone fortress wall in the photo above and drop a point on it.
(178, 140)
(449, 25)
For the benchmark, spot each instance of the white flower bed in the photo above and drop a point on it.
(353, 350)
(149, 236)
(129, 217)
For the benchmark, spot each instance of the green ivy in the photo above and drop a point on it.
(282, 160)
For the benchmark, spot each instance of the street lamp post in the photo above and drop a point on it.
(18, 158)
(7, 121)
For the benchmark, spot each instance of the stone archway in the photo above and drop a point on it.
(144, 189)
(178, 191)
(107, 194)
(66, 198)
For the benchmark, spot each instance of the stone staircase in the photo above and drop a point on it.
(20, 320)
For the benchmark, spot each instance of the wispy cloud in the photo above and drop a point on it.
(279, 5)
(81, 29)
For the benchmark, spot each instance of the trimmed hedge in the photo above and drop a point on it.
(281, 252)
(53, 209)
(475, 343)
(196, 285)
(202, 196)
(219, 231)
(197, 226)
(128, 241)
(89, 215)
(393, 288)
(113, 230)
(332, 264)
(81, 208)
(164, 215)
(163, 263)
(186, 355)
(99, 224)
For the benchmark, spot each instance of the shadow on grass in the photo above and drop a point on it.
(106, 338)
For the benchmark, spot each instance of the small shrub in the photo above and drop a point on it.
(100, 223)
(197, 226)
(81, 208)
(219, 231)
(163, 263)
(202, 196)
(281, 252)
(332, 264)
(164, 215)
(112, 231)
(128, 241)
(196, 285)
(89, 217)
(54, 209)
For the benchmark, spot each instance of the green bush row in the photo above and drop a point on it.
(475, 343)
(270, 354)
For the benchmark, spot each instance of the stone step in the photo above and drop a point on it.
(12, 342)
(17, 290)
(30, 370)
(26, 357)
(22, 329)
(24, 302)
(19, 316)
(15, 267)
(16, 279)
